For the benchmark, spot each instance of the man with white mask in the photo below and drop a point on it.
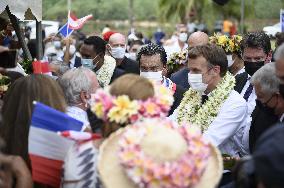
(211, 102)
(195, 39)
(180, 44)
(74, 60)
(152, 60)
(117, 49)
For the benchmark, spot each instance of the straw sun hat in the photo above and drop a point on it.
(159, 153)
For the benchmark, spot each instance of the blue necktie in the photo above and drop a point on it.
(248, 92)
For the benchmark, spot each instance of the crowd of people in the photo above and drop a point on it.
(191, 111)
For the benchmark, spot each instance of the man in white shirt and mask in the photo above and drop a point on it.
(117, 49)
(211, 102)
(74, 60)
(195, 39)
(152, 60)
(78, 85)
(256, 52)
(180, 44)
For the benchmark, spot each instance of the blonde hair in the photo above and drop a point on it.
(135, 87)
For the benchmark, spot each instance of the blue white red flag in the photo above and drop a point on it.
(73, 23)
(47, 149)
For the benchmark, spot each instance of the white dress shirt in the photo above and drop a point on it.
(251, 100)
(241, 71)
(226, 130)
(79, 114)
(251, 103)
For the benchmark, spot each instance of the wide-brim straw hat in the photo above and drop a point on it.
(113, 175)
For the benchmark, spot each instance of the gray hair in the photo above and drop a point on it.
(279, 53)
(73, 82)
(267, 79)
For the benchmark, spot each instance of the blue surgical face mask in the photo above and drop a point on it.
(88, 63)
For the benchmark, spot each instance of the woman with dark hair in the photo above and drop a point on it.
(18, 106)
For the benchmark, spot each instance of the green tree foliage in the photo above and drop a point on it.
(204, 9)
(101, 9)
(268, 9)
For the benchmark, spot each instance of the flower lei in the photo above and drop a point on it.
(177, 60)
(190, 110)
(146, 172)
(4, 83)
(230, 45)
(122, 110)
(105, 73)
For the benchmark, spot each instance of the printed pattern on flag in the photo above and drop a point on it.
(73, 23)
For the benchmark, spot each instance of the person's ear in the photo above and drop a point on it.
(165, 71)
(108, 46)
(269, 57)
(83, 96)
(217, 70)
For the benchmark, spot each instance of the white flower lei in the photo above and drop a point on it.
(190, 110)
(105, 73)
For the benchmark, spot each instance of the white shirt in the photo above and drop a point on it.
(226, 130)
(79, 114)
(18, 69)
(251, 103)
(241, 71)
(281, 118)
(174, 48)
(251, 100)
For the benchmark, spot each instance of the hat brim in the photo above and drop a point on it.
(112, 173)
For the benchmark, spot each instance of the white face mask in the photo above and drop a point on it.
(230, 60)
(183, 37)
(196, 83)
(57, 44)
(118, 52)
(72, 50)
(155, 76)
(132, 55)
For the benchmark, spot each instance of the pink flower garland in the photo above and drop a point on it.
(145, 172)
(122, 110)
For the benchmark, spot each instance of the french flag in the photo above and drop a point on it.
(47, 149)
(73, 23)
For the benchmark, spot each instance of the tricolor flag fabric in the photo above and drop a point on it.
(73, 23)
(47, 149)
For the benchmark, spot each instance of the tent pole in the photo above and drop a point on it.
(39, 49)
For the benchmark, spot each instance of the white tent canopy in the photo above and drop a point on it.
(19, 8)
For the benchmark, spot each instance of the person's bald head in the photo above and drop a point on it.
(198, 38)
(117, 39)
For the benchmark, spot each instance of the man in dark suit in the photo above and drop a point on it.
(152, 60)
(256, 52)
(269, 104)
(117, 47)
(195, 39)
